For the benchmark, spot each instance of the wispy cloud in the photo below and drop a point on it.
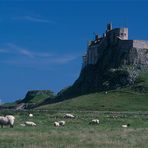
(34, 19)
(4, 51)
(26, 57)
(64, 59)
(25, 52)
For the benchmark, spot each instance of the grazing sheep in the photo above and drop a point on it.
(11, 119)
(30, 115)
(56, 124)
(29, 123)
(69, 116)
(7, 120)
(126, 125)
(61, 123)
(22, 124)
(94, 121)
(4, 121)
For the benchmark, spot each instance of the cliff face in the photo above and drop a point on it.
(116, 68)
(138, 57)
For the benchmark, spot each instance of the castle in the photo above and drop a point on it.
(117, 37)
(111, 61)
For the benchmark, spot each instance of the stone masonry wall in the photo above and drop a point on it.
(140, 44)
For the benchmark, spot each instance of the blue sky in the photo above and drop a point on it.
(41, 42)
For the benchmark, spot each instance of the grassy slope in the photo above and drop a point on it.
(144, 77)
(35, 99)
(9, 104)
(38, 98)
(122, 100)
(114, 100)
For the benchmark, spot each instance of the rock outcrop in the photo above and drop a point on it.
(114, 69)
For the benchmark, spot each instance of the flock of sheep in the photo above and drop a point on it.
(9, 120)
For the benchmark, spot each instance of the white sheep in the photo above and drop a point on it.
(69, 116)
(61, 123)
(22, 124)
(125, 125)
(30, 115)
(7, 120)
(94, 121)
(30, 123)
(56, 124)
(11, 119)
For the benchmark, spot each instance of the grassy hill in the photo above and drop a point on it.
(122, 100)
(133, 98)
(37, 96)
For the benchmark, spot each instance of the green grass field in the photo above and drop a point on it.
(77, 132)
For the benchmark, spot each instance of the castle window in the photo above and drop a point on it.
(122, 34)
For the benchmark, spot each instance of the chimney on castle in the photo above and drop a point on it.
(109, 27)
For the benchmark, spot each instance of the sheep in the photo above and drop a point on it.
(106, 92)
(7, 120)
(126, 125)
(56, 124)
(4, 121)
(30, 115)
(61, 123)
(94, 121)
(69, 116)
(11, 119)
(29, 123)
(22, 124)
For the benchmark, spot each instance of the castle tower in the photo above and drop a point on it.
(96, 37)
(109, 27)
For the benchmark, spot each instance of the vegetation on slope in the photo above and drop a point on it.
(125, 99)
(122, 100)
(37, 96)
(141, 83)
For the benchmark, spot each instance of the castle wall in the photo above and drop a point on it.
(140, 44)
(124, 45)
(92, 54)
(84, 60)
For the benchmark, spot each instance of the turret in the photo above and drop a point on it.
(104, 35)
(109, 27)
(96, 37)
